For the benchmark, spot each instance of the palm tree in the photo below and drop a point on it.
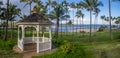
(6, 29)
(0, 13)
(90, 6)
(79, 14)
(41, 8)
(29, 2)
(110, 18)
(1, 5)
(96, 12)
(58, 13)
(13, 13)
(118, 21)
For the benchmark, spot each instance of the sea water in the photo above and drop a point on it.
(69, 28)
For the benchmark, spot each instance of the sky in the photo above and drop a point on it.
(115, 9)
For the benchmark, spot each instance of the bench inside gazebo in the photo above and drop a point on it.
(37, 42)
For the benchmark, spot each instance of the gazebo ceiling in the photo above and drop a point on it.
(35, 18)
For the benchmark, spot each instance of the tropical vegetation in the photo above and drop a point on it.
(68, 44)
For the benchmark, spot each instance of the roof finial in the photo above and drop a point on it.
(34, 10)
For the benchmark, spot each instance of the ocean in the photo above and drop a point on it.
(69, 28)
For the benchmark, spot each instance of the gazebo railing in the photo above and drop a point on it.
(34, 39)
(44, 46)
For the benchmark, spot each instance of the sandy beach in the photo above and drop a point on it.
(85, 30)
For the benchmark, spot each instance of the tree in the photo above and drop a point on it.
(90, 6)
(96, 12)
(58, 13)
(6, 29)
(109, 1)
(13, 13)
(103, 17)
(41, 9)
(29, 2)
(0, 12)
(9, 14)
(79, 14)
(117, 21)
(69, 23)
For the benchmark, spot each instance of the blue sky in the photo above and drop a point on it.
(104, 10)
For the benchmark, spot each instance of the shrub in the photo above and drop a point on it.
(6, 45)
(66, 48)
(102, 28)
(58, 42)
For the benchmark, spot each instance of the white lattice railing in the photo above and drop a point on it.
(44, 46)
(34, 39)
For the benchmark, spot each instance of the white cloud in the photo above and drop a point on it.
(87, 21)
(69, 8)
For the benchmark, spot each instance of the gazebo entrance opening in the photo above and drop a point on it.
(29, 41)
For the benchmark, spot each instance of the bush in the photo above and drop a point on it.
(58, 42)
(102, 28)
(66, 48)
(7, 45)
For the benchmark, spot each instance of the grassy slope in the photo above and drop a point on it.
(6, 46)
(100, 47)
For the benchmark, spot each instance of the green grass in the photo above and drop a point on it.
(100, 46)
(6, 47)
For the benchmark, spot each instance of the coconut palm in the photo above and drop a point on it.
(1, 5)
(90, 6)
(118, 21)
(110, 19)
(96, 12)
(0, 10)
(6, 29)
(29, 2)
(13, 13)
(40, 8)
(79, 14)
(58, 13)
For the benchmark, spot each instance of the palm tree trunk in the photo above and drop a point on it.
(110, 19)
(30, 8)
(83, 25)
(6, 29)
(11, 29)
(90, 26)
(57, 28)
(95, 23)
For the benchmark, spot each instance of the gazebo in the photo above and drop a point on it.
(39, 23)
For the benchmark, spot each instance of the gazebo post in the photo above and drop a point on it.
(38, 39)
(18, 36)
(50, 36)
(23, 36)
(33, 36)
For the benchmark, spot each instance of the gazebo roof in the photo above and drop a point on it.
(35, 18)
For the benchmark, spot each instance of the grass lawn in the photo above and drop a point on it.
(77, 46)
(72, 45)
(7, 46)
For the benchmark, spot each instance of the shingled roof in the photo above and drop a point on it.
(35, 17)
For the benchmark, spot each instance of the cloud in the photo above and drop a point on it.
(87, 21)
(71, 9)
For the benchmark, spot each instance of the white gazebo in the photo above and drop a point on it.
(37, 22)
